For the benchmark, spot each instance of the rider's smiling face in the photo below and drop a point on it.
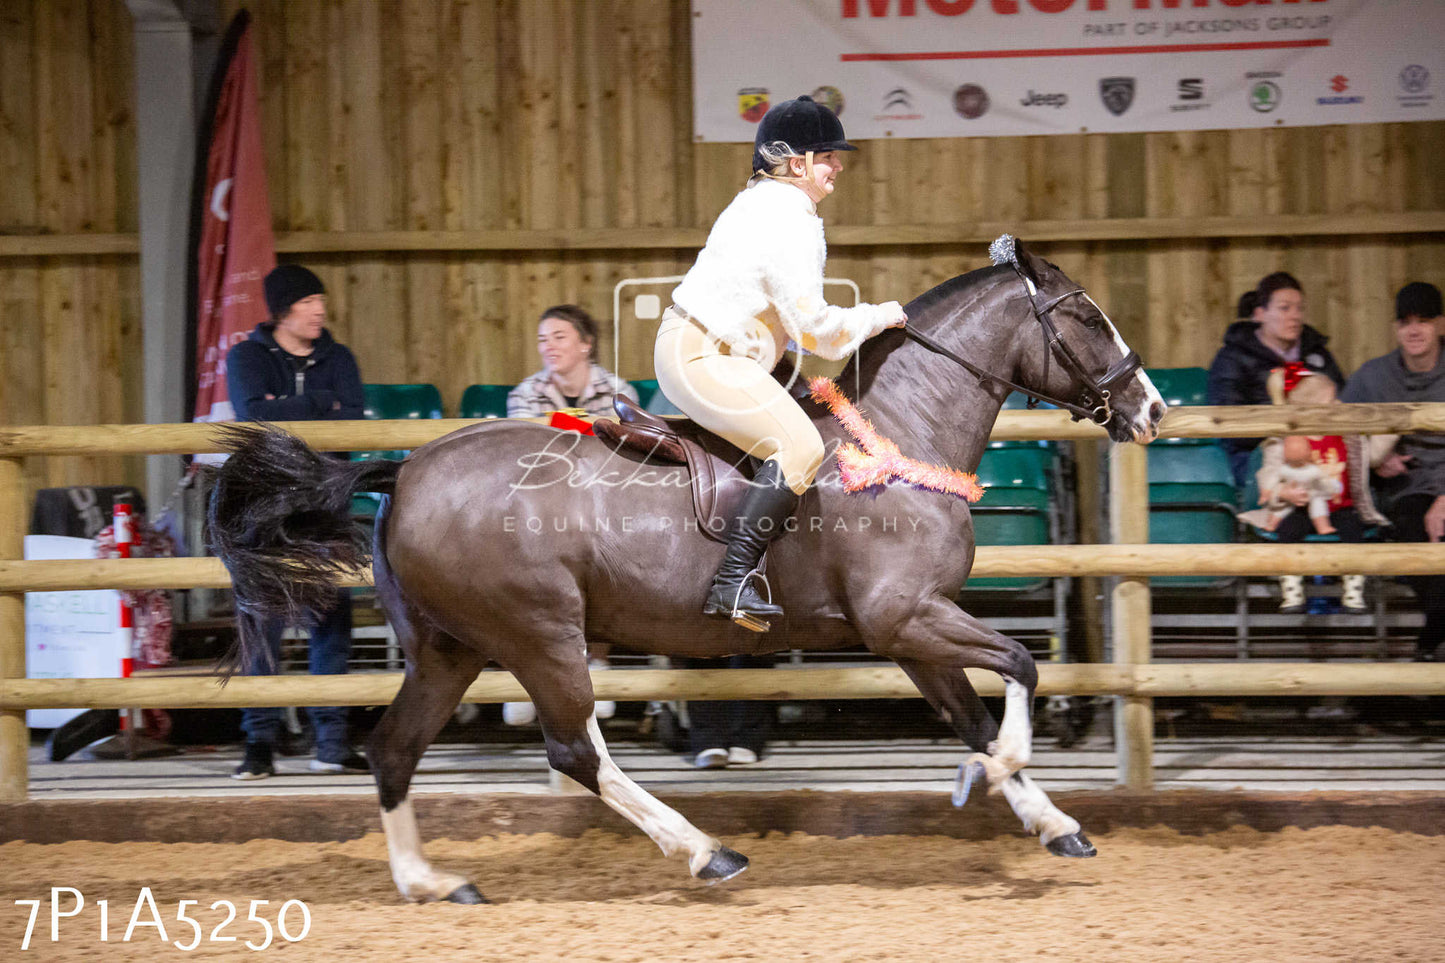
(562, 347)
(826, 168)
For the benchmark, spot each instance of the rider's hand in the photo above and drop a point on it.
(895, 313)
(1396, 464)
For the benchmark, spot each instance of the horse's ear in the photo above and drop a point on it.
(1029, 264)
(1011, 251)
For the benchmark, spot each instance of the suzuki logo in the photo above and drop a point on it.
(1339, 83)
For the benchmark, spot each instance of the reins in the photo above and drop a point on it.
(1098, 411)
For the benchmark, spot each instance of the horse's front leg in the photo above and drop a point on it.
(934, 647)
(952, 695)
(938, 633)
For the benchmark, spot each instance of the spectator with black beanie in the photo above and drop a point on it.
(291, 369)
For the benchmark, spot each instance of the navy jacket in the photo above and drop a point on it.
(1241, 369)
(258, 367)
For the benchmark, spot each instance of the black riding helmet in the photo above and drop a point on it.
(804, 125)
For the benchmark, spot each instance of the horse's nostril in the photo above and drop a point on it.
(1156, 412)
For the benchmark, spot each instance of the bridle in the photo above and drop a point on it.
(1097, 392)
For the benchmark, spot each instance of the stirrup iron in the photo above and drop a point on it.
(748, 621)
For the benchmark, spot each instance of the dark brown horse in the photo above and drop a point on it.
(514, 543)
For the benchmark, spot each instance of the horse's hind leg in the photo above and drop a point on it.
(562, 691)
(952, 695)
(438, 670)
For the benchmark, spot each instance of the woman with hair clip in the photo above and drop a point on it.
(757, 286)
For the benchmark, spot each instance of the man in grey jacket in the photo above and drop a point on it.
(1411, 479)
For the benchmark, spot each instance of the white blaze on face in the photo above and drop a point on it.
(1144, 429)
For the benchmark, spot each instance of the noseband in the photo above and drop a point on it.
(1096, 392)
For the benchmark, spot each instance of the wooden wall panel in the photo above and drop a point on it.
(69, 326)
(565, 115)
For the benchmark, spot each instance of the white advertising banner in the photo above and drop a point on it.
(70, 635)
(970, 68)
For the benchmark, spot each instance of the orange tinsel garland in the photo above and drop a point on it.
(876, 461)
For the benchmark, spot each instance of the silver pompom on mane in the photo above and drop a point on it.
(1002, 250)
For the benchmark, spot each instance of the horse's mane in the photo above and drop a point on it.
(922, 306)
(922, 313)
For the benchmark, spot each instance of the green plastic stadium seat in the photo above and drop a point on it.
(385, 402)
(1191, 526)
(1014, 478)
(1015, 507)
(404, 401)
(1009, 528)
(485, 401)
(646, 388)
(1190, 474)
(1181, 387)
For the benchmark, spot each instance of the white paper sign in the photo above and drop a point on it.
(69, 635)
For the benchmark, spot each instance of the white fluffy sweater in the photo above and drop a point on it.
(764, 259)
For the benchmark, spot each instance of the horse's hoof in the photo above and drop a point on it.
(968, 774)
(725, 864)
(468, 895)
(1074, 844)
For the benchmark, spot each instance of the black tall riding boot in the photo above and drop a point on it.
(768, 504)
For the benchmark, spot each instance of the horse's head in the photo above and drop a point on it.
(1079, 357)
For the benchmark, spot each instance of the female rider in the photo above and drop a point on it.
(756, 286)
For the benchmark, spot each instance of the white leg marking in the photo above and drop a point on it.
(1013, 746)
(672, 833)
(414, 876)
(1038, 814)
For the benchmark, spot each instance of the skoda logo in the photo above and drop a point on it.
(1264, 96)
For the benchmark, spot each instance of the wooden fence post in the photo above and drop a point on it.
(1132, 614)
(14, 737)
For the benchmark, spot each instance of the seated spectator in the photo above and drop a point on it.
(1411, 473)
(291, 369)
(1326, 474)
(1275, 336)
(570, 376)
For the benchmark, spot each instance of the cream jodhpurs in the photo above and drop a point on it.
(735, 397)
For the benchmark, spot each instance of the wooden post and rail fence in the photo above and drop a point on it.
(1130, 678)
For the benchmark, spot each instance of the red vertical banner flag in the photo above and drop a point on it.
(235, 248)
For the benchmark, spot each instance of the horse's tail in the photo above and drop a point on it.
(280, 519)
